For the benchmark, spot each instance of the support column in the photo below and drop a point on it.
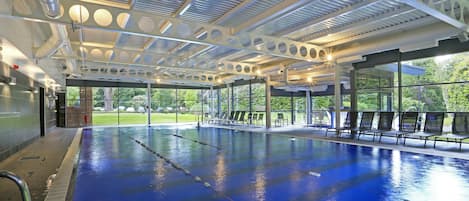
(399, 85)
(201, 98)
(308, 108)
(232, 97)
(292, 108)
(211, 104)
(218, 102)
(229, 99)
(149, 104)
(337, 95)
(177, 105)
(250, 101)
(353, 101)
(267, 103)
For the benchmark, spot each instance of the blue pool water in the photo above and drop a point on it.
(137, 164)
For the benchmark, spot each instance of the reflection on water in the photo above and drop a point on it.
(220, 173)
(260, 185)
(396, 168)
(253, 166)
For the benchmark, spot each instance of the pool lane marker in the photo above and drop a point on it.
(177, 167)
(316, 174)
(197, 141)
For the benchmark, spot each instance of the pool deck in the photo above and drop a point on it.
(36, 163)
(445, 149)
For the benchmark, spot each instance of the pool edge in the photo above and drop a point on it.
(60, 187)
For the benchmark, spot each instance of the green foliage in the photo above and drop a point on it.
(73, 96)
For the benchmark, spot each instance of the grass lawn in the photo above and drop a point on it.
(110, 118)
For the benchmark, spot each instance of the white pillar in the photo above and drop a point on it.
(308, 108)
(337, 95)
(149, 104)
(268, 123)
(229, 99)
(211, 103)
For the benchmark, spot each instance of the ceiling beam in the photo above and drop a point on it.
(329, 17)
(447, 15)
(218, 66)
(170, 63)
(91, 75)
(278, 11)
(357, 25)
(147, 25)
(221, 19)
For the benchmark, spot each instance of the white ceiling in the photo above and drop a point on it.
(344, 29)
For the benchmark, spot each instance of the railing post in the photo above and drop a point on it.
(19, 182)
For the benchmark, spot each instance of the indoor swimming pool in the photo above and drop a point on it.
(168, 163)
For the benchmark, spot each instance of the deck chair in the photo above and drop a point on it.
(366, 124)
(408, 124)
(248, 119)
(460, 129)
(433, 127)
(385, 120)
(253, 119)
(280, 121)
(346, 126)
(260, 118)
(241, 117)
(212, 118)
(223, 117)
(235, 118)
(227, 119)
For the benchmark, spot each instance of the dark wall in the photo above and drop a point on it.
(19, 113)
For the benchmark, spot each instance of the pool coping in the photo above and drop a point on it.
(60, 186)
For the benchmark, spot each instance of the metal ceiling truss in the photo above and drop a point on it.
(87, 15)
(100, 77)
(453, 12)
(156, 60)
(91, 69)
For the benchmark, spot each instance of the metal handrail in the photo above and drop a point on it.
(19, 182)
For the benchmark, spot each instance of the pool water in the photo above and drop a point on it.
(164, 163)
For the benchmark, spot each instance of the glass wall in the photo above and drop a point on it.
(132, 106)
(322, 108)
(241, 98)
(377, 88)
(299, 105)
(258, 102)
(434, 84)
(281, 105)
(189, 105)
(437, 84)
(163, 104)
(105, 106)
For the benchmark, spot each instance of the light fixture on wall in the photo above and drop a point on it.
(12, 81)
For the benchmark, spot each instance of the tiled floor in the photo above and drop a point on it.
(35, 163)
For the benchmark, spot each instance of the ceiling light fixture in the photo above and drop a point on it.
(165, 26)
(186, 7)
(329, 57)
(309, 79)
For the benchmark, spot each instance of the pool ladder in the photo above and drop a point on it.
(19, 182)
